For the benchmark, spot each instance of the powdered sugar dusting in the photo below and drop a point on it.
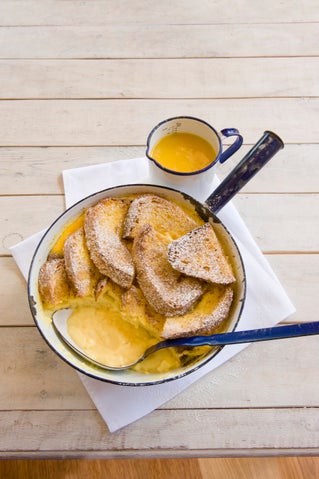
(53, 281)
(103, 225)
(167, 291)
(80, 269)
(199, 254)
(165, 216)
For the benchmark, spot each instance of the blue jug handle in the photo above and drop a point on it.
(234, 146)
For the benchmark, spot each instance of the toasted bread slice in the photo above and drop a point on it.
(81, 271)
(103, 226)
(200, 255)
(163, 215)
(166, 290)
(211, 310)
(137, 311)
(53, 282)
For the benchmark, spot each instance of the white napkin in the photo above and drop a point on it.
(266, 303)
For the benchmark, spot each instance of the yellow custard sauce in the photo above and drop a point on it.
(183, 152)
(57, 248)
(111, 337)
(103, 335)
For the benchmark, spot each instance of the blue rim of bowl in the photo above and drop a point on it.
(203, 362)
(180, 173)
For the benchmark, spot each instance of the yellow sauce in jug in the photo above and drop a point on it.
(183, 152)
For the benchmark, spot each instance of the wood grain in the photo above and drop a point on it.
(160, 78)
(218, 40)
(109, 122)
(218, 468)
(129, 468)
(23, 169)
(215, 432)
(95, 12)
(267, 468)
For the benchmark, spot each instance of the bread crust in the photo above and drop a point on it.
(206, 316)
(81, 271)
(53, 282)
(166, 290)
(163, 215)
(103, 226)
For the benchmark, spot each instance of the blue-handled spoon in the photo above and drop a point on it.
(59, 320)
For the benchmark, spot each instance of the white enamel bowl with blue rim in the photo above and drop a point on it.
(128, 377)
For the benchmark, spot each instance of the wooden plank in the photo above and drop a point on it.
(14, 307)
(38, 170)
(297, 273)
(33, 377)
(299, 276)
(24, 216)
(117, 122)
(263, 375)
(36, 378)
(132, 41)
(265, 467)
(273, 221)
(271, 218)
(95, 12)
(293, 170)
(187, 468)
(162, 433)
(163, 78)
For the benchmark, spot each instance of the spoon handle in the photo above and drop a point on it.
(248, 336)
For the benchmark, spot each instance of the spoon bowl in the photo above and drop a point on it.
(60, 317)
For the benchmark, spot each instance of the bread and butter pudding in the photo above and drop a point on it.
(137, 269)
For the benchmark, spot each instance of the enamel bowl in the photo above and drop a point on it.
(130, 377)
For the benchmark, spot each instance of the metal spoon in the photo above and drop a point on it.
(59, 320)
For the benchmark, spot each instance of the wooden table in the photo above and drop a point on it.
(83, 83)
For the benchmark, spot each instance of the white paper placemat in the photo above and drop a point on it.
(266, 303)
